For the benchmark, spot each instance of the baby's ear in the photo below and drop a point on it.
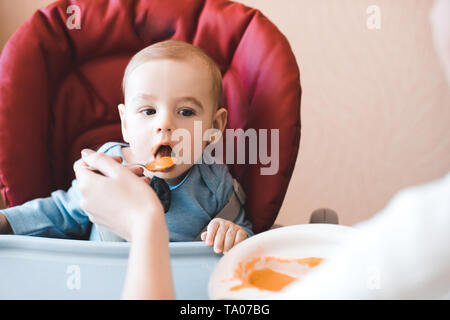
(123, 121)
(220, 119)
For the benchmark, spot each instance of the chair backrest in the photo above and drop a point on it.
(60, 87)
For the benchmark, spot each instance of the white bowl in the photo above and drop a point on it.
(292, 242)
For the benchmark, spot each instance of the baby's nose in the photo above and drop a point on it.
(161, 129)
(165, 124)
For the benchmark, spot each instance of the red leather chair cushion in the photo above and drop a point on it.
(60, 88)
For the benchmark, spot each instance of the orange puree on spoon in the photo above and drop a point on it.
(160, 164)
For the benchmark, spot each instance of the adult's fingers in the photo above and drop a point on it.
(82, 169)
(102, 162)
(87, 178)
(145, 179)
(136, 170)
(81, 162)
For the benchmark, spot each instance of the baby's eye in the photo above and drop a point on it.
(186, 112)
(148, 112)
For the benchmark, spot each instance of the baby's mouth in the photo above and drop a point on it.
(163, 151)
(163, 160)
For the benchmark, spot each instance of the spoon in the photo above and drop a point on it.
(156, 165)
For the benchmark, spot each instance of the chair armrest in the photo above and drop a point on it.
(324, 215)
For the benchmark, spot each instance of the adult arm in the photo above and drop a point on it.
(115, 197)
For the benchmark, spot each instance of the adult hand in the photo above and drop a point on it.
(114, 196)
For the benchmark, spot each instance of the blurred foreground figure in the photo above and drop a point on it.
(403, 252)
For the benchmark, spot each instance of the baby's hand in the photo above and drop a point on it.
(223, 234)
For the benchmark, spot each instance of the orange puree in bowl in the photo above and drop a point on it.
(269, 279)
(266, 278)
(160, 164)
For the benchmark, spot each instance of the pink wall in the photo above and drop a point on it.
(375, 105)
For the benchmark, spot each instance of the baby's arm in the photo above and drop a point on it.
(58, 216)
(230, 224)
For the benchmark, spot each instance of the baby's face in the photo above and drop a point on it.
(161, 96)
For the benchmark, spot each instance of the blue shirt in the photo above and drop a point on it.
(195, 201)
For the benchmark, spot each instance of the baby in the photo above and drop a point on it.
(167, 86)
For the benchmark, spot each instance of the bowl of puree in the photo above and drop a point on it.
(270, 261)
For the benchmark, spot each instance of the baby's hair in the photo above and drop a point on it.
(178, 50)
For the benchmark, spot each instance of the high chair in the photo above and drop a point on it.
(61, 84)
